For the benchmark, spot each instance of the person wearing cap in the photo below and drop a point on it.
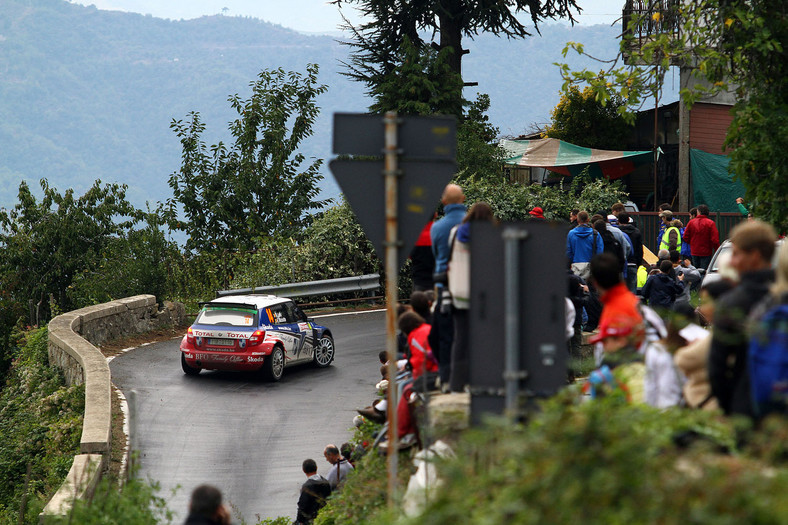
(671, 237)
(620, 306)
(611, 224)
(621, 338)
(537, 214)
(636, 257)
(662, 207)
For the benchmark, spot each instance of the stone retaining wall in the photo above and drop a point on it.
(72, 337)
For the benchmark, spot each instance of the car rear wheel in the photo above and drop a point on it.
(324, 351)
(188, 370)
(274, 365)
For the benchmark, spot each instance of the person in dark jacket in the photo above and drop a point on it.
(314, 493)
(751, 256)
(422, 260)
(206, 508)
(626, 225)
(661, 289)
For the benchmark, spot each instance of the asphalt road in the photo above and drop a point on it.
(246, 436)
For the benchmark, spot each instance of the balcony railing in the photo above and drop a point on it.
(651, 18)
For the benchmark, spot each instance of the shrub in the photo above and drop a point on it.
(40, 425)
(608, 462)
(136, 503)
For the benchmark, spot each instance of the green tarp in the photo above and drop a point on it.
(712, 184)
(569, 159)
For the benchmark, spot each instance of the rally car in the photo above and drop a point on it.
(254, 333)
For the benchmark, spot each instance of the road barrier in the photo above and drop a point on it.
(72, 337)
(361, 283)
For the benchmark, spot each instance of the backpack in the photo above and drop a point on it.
(768, 362)
(613, 246)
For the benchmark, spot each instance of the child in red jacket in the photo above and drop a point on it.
(420, 357)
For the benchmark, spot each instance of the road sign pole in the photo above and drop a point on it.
(392, 273)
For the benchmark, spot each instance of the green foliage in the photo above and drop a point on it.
(606, 462)
(378, 40)
(233, 196)
(40, 425)
(736, 45)
(139, 261)
(135, 503)
(580, 119)
(478, 154)
(335, 246)
(47, 243)
(512, 202)
(421, 83)
(364, 494)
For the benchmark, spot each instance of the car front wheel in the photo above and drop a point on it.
(188, 370)
(274, 365)
(324, 351)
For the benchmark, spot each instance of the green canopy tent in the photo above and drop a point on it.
(712, 184)
(568, 159)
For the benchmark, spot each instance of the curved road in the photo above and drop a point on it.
(246, 436)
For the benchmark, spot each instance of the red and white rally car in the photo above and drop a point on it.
(254, 332)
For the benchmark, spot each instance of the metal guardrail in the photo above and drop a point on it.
(361, 283)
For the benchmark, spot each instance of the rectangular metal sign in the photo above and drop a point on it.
(419, 138)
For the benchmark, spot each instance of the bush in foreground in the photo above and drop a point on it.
(606, 462)
(40, 424)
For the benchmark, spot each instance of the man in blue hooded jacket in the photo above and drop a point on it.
(582, 243)
(442, 333)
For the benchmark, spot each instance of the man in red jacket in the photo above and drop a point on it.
(703, 237)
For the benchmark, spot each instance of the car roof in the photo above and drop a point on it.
(257, 301)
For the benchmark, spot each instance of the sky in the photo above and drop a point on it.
(310, 16)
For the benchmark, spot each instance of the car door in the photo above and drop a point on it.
(285, 331)
(304, 328)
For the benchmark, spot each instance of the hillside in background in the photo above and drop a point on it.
(88, 94)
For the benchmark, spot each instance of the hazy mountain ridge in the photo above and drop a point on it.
(88, 94)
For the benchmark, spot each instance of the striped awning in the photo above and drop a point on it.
(568, 159)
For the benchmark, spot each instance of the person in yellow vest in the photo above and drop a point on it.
(671, 239)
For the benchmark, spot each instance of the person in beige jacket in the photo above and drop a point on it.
(693, 360)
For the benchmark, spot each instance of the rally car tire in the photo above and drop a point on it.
(274, 365)
(324, 352)
(188, 370)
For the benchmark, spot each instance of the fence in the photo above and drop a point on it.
(648, 223)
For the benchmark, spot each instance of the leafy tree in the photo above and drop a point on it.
(137, 261)
(478, 154)
(48, 243)
(730, 44)
(378, 41)
(580, 119)
(231, 196)
(420, 84)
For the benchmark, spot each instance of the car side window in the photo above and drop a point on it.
(277, 314)
(295, 314)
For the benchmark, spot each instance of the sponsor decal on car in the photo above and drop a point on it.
(220, 334)
(218, 358)
(255, 359)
